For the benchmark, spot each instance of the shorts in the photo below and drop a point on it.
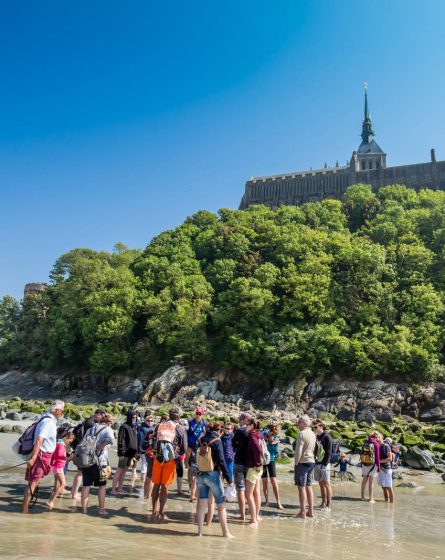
(124, 462)
(91, 476)
(239, 475)
(40, 469)
(385, 478)
(58, 470)
(322, 473)
(163, 473)
(303, 474)
(269, 470)
(369, 471)
(210, 481)
(254, 474)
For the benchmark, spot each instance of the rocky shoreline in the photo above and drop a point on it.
(412, 415)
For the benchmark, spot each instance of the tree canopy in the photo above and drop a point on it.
(355, 288)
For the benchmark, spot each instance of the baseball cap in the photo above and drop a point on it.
(199, 410)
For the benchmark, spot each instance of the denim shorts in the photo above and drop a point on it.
(303, 474)
(210, 481)
(240, 473)
(230, 468)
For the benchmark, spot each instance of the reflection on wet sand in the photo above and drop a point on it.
(412, 528)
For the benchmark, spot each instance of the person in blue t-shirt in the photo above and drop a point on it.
(197, 428)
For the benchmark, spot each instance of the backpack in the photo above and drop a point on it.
(335, 451)
(367, 455)
(319, 452)
(204, 459)
(265, 455)
(25, 443)
(85, 452)
(166, 433)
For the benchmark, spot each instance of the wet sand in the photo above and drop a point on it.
(412, 528)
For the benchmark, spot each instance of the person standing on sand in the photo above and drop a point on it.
(322, 469)
(196, 428)
(239, 442)
(304, 466)
(370, 461)
(58, 462)
(272, 437)
(254, 470)
(211, 481)
(97, 474)
(170, 440)
(39, 463)
(385, 473)
(127, 448)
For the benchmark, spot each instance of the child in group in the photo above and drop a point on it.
(343, 462)
(58, 461)
(272, 437)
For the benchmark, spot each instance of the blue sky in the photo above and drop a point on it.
(118, 120)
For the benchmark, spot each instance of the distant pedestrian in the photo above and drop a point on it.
(370, 461)
(254, 470)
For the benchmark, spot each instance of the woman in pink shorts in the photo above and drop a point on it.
(58, 462)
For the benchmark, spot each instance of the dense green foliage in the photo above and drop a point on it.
(355, 288)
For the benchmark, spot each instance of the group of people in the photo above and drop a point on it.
(224, 462)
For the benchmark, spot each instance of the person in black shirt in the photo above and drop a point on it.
(240, 442)
(322, 471)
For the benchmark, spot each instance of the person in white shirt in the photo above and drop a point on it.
(39, 462)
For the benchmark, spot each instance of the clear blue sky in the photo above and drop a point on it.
(119, 119)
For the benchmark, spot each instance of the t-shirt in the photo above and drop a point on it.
(326, 441)
(304, 449)
(194, 431)
(47, 429)
(240, 442)
(58, 460)
(385, 451)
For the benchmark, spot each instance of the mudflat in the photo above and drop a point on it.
(412, 528)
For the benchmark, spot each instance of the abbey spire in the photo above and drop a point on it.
(367, 132)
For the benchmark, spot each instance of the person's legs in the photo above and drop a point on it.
(200, 513)
(323, 494)
(84, 496)
(310, 501)
(154, 499)
(76, 485)
(59, 486)
(371, 489)
(210, 509)
(148, 487)
(192, 483)
(101, 492)
(302, 498)
(328, 493)
(222, 514)
(266, 490)
(163, 501)
(257, 498)
(250, 487)
(390, 494)
(29, 491)
(240, 483)
(276, 492)
(363, 489)
(118, 480)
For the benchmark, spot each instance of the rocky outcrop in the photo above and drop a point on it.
(418, 458)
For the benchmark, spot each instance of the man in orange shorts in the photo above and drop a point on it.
(170, 440)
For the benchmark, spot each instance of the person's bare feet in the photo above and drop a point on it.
(164, 518)
(228, 536)
(253, 525)
(310, 514)
(266, 504)
(280, 506)
(84, 510)
(50, 505)
(103, 512)
(300, 515)
(372, 501)
(154, 515)
(75, 497)
(322, 505)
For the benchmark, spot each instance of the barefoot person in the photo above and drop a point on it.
(209, 479)
(254, 470)
(127, 448)
(58, 461)
(170, 440)
(97, 474)
(322, 471)
(385, 473)
(370, 461)
(196, 428)
(272, 437)
(39, 463)
(239, 442)
(304, 466)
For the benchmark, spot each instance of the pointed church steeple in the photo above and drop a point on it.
(367, 132)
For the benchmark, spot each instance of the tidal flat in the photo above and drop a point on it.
(412, 528)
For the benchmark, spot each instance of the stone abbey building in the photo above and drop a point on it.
(367, 165)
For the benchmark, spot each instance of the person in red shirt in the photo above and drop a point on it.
(58, 461)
